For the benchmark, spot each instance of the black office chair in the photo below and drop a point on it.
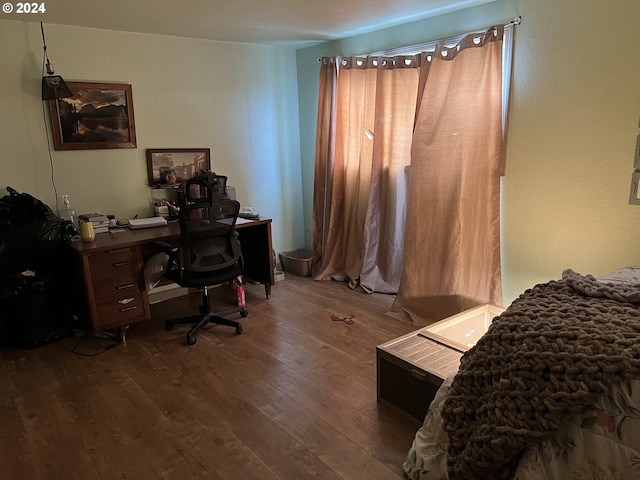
(209, 252)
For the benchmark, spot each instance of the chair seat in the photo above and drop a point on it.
(198, 279)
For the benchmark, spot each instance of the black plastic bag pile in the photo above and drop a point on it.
(30, 232)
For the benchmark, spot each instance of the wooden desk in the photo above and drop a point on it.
(112, 269)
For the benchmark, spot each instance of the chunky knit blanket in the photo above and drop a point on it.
(557, 347)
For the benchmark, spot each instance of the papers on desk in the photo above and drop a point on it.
(137, 223)
(228, 221)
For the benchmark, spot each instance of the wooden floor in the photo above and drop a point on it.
(293, 397)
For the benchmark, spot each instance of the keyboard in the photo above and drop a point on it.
(137, 223)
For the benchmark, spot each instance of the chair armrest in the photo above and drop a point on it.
(166, 247)
(171, 250)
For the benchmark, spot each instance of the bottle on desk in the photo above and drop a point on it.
(69, 213)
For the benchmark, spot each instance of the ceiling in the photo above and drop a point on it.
(294, 23)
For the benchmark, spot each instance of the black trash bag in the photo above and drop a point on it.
(30, 232)
(32, 314)
(10, 288)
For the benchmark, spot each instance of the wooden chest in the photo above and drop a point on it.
(411, 368)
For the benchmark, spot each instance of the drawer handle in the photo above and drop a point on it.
(417, 374)
(128, 309)
(122, 264)
(124, 301)
(124, 287)
(121, 250)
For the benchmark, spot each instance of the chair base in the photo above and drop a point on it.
(206, 317)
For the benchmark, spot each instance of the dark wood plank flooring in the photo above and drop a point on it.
(293, 397)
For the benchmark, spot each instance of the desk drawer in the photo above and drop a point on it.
(121, 312)
(125, 284)
(115, 274)
(113, 260)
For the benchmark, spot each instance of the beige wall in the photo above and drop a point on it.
(574, 120)
(573, 126)
(186, 92)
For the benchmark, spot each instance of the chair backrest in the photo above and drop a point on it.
(208, 241)
(206, 186)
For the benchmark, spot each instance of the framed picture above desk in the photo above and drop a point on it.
(112, 269)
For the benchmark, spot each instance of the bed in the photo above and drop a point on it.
(550, 391)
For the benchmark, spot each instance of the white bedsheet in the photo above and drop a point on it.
(602, 443)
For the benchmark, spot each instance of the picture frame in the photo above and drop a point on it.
(98, 115)
(172, 166)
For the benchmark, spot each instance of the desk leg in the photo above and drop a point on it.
(267, 290)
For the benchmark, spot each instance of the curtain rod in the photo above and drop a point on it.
(515, 21)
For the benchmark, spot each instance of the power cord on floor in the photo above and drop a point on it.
(100, 336)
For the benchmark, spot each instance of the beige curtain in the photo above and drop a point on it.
(324, 166)
(422, 134)
(366, 116)
(452, 247)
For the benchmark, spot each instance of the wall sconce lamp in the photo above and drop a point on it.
(53, 86)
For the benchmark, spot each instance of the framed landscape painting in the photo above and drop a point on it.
(172, 166)
(98, 115)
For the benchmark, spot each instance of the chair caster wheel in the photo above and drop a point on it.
(168, 326)
(244, 313)
(239, 329)
(191, 340)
